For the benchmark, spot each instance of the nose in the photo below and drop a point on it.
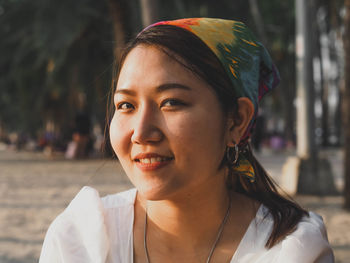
(146, 127)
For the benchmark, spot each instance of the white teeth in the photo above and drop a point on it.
(145, 160)
(152, 160)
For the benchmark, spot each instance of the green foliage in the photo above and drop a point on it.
(237, 10)
(51, 50)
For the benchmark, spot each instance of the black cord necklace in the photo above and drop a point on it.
(218, 236)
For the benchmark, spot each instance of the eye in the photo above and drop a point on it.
(125, 106)
(172, 103)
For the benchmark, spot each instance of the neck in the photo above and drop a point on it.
(197, 215)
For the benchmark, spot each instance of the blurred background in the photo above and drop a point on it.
(57, 64)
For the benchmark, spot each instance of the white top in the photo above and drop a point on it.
(95, 230)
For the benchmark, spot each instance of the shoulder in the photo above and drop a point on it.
(122, 199)
(88, 207)
(307, 244)
(310, 228)
(80, 232)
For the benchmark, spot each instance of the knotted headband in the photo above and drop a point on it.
(245, 60)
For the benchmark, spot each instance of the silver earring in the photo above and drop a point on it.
(232, 154)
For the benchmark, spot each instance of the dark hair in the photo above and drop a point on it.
(191, 52)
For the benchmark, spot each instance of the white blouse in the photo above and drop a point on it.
(95, 230)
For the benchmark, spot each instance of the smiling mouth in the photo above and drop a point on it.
(152, 163)
(154, 160)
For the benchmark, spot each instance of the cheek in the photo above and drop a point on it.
(118, 137)
(201, 133)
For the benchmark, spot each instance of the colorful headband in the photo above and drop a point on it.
(246, 61)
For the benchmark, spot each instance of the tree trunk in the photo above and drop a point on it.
(254, 9)
(346, 105)
(149, 10)
(120, 13)
(289, 111)
(339, 82)
(305, 83)
(320, 30)
(306, 148)
(336, 82)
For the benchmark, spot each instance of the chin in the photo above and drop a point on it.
(152, 194)
(155, 192)
(155, 188)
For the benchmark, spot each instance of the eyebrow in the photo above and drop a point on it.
(159, 89)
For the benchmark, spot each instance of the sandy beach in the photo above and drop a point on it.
(34, 189)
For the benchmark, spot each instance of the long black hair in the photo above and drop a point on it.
(194, 54)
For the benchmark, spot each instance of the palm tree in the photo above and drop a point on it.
(346, 104)
(149, 10)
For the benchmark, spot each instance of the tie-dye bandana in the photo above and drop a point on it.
(246, 61)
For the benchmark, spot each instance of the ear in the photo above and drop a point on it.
(238, 124)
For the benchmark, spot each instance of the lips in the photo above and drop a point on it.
(151, 161)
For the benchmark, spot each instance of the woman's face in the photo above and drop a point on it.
(168, 129)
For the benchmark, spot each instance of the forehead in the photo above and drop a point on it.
(151, 65)
(143, 59)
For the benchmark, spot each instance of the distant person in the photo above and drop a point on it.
(277, 142)
(79, 146)
(185, 101)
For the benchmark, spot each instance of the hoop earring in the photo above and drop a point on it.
(232, 154)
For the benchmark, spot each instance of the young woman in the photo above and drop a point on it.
(185, 103)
